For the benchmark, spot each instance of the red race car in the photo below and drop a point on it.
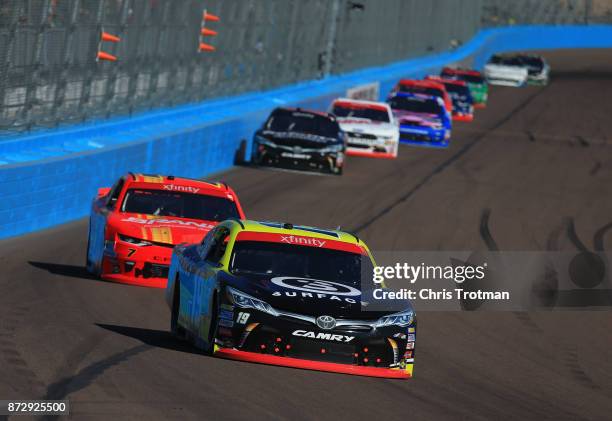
(427, 87)
(463, 103)
(135, 224)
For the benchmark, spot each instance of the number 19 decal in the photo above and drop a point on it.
(242, 318)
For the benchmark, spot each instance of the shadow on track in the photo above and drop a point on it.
(153, 337)
(65, 270)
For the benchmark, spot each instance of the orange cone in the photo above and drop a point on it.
(206, 31)
(105, 56)
(211, 17)
(109, 37)
(206, 47)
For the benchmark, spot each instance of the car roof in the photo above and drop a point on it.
(290, 229)
(365, 103)
(416, 95)
(158, 181)
(306, 111)
(360, 101)
(443, 80)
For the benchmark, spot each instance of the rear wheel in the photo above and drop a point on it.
(240, 155)
(175, 328)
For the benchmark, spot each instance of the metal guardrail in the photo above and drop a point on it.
(49, 74)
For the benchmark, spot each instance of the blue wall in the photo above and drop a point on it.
(48, 178)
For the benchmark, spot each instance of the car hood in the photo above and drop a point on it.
(504, 69)
(296, 138)
(420, 119)
(305, 296)
(364, 125)
(160, 229)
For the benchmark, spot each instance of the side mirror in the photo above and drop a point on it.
(103, 191)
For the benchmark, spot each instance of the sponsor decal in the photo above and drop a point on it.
(400, 336)
(226, 323)
(411, 337)
(161, 221)
(368, 91)
(307, 241)
(187, 189)
(410, 330)
(410, 345)
(226, 314)
(323, 336)
(407, 355)
(314, 288)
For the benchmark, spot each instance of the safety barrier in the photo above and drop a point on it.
(48, 178)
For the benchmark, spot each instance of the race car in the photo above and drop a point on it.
(135, 224)
(506, 71)
(280, 294)
(475, 81)
(370, 127)
(463, 103)
(423, 119)
(538, 71)
(426, 87)
(300, 139)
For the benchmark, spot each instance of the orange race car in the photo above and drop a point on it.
(135, 224)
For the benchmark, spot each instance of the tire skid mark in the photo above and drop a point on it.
(86, 376)
(447, 163)
(595, 168)
(11, 357)
(599, 238)
(582, 141)
(572, 363)
(485, 233)
(573, 236)
(570, 355)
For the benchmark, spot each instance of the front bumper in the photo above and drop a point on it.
(505, 80)
(424, 136)
(142, 266)
(250, 335)
(326, 162)
(389, 373)
(463, 117)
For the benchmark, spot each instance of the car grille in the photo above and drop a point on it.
(415, 137)
(154, 270)
(361, 135)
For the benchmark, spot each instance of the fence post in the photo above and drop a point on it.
(331, 40)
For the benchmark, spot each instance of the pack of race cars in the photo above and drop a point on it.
(269, 292)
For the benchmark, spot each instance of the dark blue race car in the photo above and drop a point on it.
(423, 119)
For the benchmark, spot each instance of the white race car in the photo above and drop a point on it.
(370, 127)
(506, 71)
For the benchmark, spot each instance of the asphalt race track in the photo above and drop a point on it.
(533, 172)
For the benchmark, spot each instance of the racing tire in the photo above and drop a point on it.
(175, 328)
(209, 346)
(240, 155)
(90, 267)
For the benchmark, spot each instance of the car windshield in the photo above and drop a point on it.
(416, 105)
(178, 204)
(535, 62)
(358, 111)
(457, 89)
(302, 122)
(477, 79)
(276, 259)
(422, 90)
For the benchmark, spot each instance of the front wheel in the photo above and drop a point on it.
(175, 328)
(209, 346)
